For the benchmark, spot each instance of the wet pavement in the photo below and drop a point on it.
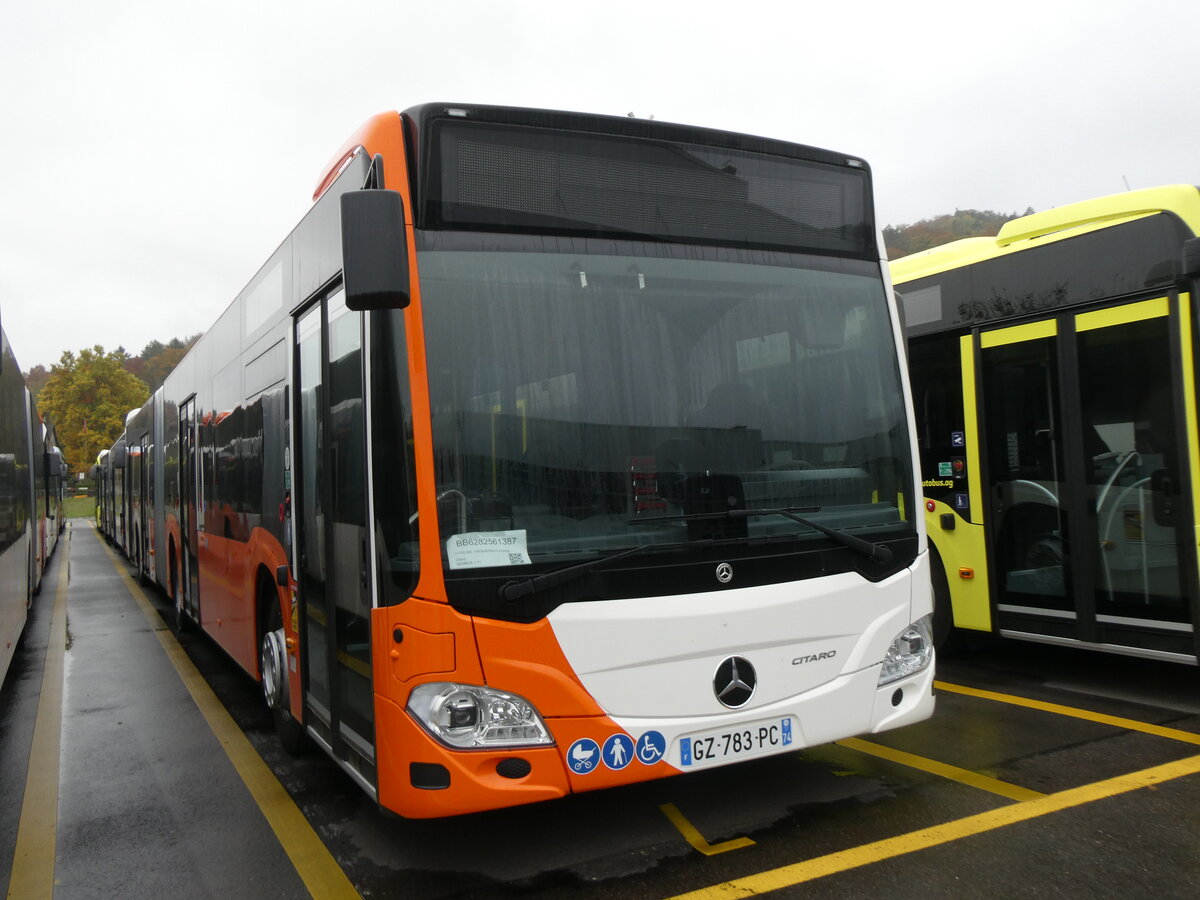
(1044, 772)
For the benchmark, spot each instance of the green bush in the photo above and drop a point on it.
(80, 507)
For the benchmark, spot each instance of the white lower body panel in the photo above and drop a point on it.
(815, 648)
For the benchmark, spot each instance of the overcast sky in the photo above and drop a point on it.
(154, 152)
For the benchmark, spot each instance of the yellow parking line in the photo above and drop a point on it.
(314, 863)
(692, 835)
(1116, 721)
(809, 870)
(33, 857)
(943, 770)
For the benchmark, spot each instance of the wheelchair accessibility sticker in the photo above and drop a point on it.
(651, 747)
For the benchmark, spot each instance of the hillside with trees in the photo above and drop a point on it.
(88, 394)
(902, 240)
(157, 360)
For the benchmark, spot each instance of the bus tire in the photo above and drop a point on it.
(183, 622)
(274, 671)
(943, 611)
(136, 557)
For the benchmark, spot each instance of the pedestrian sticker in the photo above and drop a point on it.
(583, 756)
(651, 747)
(961, 502)
(618, 751)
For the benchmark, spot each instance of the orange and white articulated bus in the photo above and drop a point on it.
(550, 452)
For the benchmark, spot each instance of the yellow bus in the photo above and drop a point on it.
(1054, 379)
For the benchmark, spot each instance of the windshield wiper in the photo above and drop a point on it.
(512, 591)
(877, 552)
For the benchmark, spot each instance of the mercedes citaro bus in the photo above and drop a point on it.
(550, 452)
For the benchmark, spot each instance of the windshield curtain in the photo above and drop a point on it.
(586, 403)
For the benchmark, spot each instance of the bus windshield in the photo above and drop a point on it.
(585, 403)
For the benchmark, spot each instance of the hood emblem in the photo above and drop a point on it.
(734, 682)
(724, 573)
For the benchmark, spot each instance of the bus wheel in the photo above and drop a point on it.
(183, 622)
(137, 558)
(274, 668)
(943, 613)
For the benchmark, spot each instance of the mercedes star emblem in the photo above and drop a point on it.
(734, 682)
(724, 573)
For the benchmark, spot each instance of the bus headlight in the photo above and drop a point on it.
(910, 652)
(470, 717)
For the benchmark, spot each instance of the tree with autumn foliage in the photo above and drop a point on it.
(87, 396)
(35, 378)
(157, 360)
(159, 366)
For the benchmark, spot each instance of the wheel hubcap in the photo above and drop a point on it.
(274, 679)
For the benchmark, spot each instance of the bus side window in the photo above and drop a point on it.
(397, 527)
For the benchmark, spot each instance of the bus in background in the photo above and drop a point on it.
(52, 491)
(37, 471)
(1054, 379)
(101, 477)
(550, 452)
(143, 482)
(112, 501)
(17, 551)
(30, 501)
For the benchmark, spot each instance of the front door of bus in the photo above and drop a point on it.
(1086, 478)
(331, 542)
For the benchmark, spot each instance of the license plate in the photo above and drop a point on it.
(711, 747)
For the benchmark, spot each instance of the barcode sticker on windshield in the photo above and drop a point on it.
(482, 549)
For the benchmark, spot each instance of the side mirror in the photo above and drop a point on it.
(54, 465)
(374, 250)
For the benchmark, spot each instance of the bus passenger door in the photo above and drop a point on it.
(188, 599)
(145, 479)
(1135, 475)
(1026, 473)
(330, 484)
(1087, 479)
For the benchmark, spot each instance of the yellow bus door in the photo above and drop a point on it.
(1087, 479)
